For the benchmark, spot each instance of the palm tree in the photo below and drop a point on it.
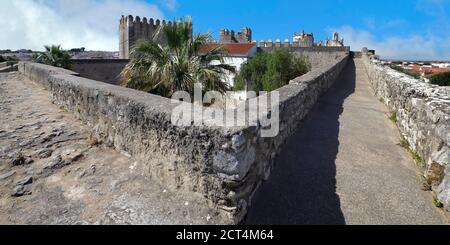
(178, 65)
(54, 55)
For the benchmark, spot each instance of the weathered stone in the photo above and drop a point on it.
(88, 172)
(75, 157)
(18, 159)
(5, 149)
(423, 112)
(21, 190)
(25, 143)
(211, 160)
(25, 181)
(44, 153)
(7, 175)
(28, 161)
(56, 163)
(23, 187)
(443, 192)
(236, 163)
(58, 131)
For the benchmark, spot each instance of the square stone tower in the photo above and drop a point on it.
(133, 29)
(229, 36)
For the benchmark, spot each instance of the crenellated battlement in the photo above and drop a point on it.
(230, 36)
(269, 44)
(144, 22)
(132, 29)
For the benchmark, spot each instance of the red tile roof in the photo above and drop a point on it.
(428, 70)
(235, 49)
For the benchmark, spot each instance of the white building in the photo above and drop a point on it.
(237, 54)
(441, 65)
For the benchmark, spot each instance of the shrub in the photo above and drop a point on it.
(177, 66)
(441, 79)
(270, 71)
(7, 58)
(405, 71)
(54, 55)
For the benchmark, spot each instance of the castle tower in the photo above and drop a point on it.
(304, 39)
(245, 35)
(335, 42)
(229, 36)
(133, 29)
(226, 36)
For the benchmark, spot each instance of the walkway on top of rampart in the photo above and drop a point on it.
(345, 166)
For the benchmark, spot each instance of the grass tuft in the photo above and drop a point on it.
(404, 143)
(393, 117)
(438, 203)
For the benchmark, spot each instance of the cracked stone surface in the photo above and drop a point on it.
(73, 180)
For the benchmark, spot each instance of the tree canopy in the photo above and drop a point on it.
(178, 65)
(270, 71)
(54, 55)
(441, 79)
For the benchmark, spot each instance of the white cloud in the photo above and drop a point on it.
(83, 23)
(170, 4)
(429, 47)
(432, 7)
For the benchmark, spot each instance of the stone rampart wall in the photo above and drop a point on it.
(104, 70)
(225, 165)
(423, 117)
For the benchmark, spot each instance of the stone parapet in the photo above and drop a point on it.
(104, 70)
(225, 165)
(423, 117)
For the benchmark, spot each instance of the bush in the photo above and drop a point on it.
(7, 58)
(441, 79)
(54, 55)
(270, 71)
(405, 71)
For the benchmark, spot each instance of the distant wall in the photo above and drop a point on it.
(105, 70)
(225, 165)
(308, 49)
(423, 113)
(317, 56)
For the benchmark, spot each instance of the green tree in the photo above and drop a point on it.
(177, 66)
(270, 71)
(441, 79)
(54, 55)
(7, 58)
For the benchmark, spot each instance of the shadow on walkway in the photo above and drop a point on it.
(302, 187)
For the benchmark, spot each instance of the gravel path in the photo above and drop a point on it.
(52, 173)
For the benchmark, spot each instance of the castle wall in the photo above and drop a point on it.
(105, 70)
(317, 56)
(422, 111)
(225, 165)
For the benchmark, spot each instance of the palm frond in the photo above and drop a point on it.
(178, 65)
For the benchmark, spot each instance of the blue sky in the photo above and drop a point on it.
(411, 24)
(410, 29)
